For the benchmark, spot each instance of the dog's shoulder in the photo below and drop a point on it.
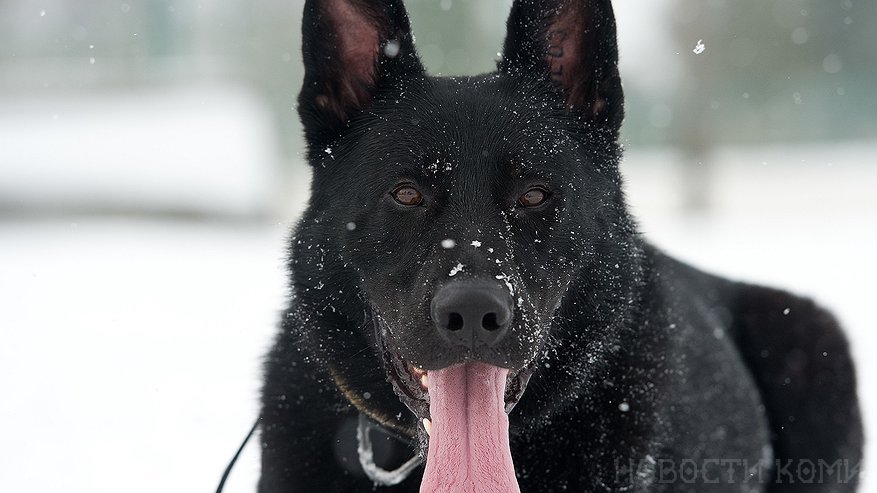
(802, 363)
(795, 351)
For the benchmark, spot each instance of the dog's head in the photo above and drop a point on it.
(463, 209)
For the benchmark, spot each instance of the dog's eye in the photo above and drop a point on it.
(407, 195)
(533, 197)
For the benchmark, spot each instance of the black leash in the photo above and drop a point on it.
(237, 454)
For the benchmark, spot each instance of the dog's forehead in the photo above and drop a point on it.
(485, 105)
(449, 121)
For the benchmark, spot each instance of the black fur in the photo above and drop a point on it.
(639, 363)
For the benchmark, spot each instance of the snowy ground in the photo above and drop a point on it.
(131, 346)
(130, 351)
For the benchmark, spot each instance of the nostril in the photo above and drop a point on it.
(455, 321)
(489, 322)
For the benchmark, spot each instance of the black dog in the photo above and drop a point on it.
(466, 236)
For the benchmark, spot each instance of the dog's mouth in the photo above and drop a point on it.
(463, 413)
(411, 384)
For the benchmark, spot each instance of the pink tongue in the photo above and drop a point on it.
(469, 447)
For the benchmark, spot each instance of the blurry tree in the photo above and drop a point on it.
(770, 71)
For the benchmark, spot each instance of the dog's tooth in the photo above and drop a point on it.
(418, 370)
(424, 381)
(427, 425)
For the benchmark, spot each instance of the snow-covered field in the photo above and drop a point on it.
(130, 350)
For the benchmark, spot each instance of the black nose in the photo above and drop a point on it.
(471, 314)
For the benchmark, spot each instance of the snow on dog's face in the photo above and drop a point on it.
(464, 207)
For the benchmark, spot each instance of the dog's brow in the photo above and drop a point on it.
(522, 168)
(406, 171)
(514, 165)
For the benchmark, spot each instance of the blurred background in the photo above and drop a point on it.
(151, 166)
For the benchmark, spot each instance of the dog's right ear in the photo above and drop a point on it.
(350, 48)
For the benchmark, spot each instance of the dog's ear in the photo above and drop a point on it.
(573, 44)
(350, 48)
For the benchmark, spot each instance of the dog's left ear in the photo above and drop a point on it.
(573, 44)
(350, 49)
